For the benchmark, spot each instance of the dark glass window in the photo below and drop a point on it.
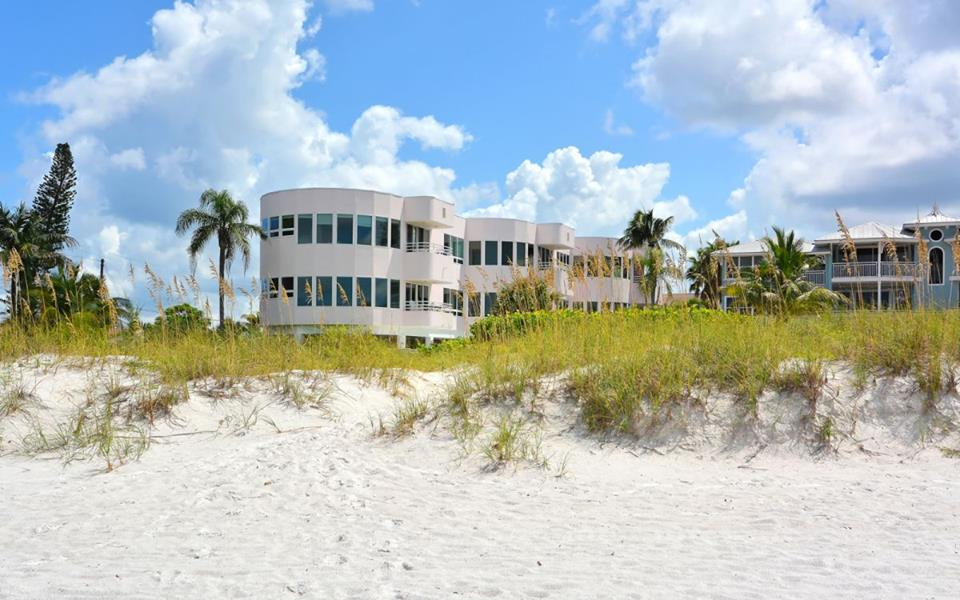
(383, 231)
(364, 229)
(304, 291)
(286, 284)
(324, 228)
(304, 229)
(344, 291)
(364, 293)
(521, 254)
(394, 293)
(506, 253)
(274, 226)
(381, 292)
(394, 233)
(489, 302)
(490, 253)
(265, 225)
(473, 305)
(286, 225)
(324, 292)
(274, 287)
(344, 229)
(475, 253)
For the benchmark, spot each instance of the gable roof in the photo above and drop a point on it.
(934, 217)
(867, 232)
(756, 247)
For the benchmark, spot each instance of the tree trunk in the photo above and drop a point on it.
(223, 276)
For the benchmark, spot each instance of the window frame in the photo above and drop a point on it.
(308, 229)
(328, 228)
(479, 257)
(364, 232)
(344, 293)
(345, 229)
(285, 229)
(364, 292)
(385, 233)
(304, 292)
(487, 260)
(396, 227)
(326, 293)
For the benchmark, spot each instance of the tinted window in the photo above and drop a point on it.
(506, 253)
(274, 226)
(286, 284)
(383, 231)
(304, 291)
(304, 229)
(364, 293)
(473, 305)
(490, 253)
(394, 233)
(381, 292)
(286, 225)
(394, 293)
(344, 229)
(521, 254)
(475, 257)
(490, 301)
(364, 229)
(324, 228)
(324, 292)
(344, 291)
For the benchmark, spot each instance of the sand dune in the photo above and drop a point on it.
(263, 500)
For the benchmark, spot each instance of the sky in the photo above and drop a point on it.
(729, 116)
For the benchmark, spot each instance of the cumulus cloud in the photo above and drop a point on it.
(592, 193)
(211, 105)
(851, 105)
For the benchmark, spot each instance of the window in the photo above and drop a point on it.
(265, 225)
(506, 253)
(273, 287)
(304, 229)
(417, 296)
(364, 230)
(274, 226)
(454, 245)
(383, 232)
(490, 253)
(936, 235)
(286, 284)
(454, 300)
(381, 292)
(324, 292)
(473, 305)
(521, 254)
(344, 290)
(475, 253)
(364, 293)
(305, 290)
(489, 302)
(394, 233)
(324, 228)
(394, 293)
(529, 254)
(286, 225)
(936, 266)
(344, 229)
(417, 237)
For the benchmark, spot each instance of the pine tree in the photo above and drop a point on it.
(54, 199)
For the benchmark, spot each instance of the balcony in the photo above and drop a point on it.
(428, 248)
(873, 270)
(428, 306)
(546, 265)
(817, 278)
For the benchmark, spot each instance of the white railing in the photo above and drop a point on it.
(428, 306)
(872, 269)
(428, 248)
(546, 265)
(815, 277)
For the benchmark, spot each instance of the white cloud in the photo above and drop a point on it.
(345, 6)
(851, 105)
(594, 194)
(731, 228)
(110, 239)
(131, 158)
(611, 127)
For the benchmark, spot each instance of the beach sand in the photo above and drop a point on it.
(291, 503)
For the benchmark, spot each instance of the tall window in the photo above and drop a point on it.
(286, 284)
(324, 291)
(490, 253)
(274, 226)
(521, 254)
(273, 288)
(383, 232)
(344, 291)
(304, 229)
(381, 292)
(364, 293)
(394, 293)
(475, 253)
(286, 225)
(506, 253)
(417, 295)
(473, 305)
(344, 229)
(416, 236)
(936, 266)
(489, 302)
(324, 228)
(394, 233)
(304, 291)
(453, 298)
(364, 229)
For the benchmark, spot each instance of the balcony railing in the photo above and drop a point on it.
(428, 248)
(546, 265)
(815, 277)
(871, 269)
(427, 306)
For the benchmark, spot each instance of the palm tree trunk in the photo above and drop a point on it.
(223, 275)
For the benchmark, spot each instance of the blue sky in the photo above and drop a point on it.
(729, 116)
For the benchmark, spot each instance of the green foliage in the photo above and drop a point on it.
(183, 318)
(528, 292)
(705, 273)
(54, 200)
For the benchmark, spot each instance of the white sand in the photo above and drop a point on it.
(330, 511)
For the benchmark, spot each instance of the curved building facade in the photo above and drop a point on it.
(410, 268)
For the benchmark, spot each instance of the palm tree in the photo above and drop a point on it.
(705, 273)
(648, 232)
(223, 218)
(23, 249)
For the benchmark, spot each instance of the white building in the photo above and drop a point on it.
(410, 268)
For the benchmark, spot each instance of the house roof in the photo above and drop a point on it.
(873, 232)
(934, 217)
(755, 247)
